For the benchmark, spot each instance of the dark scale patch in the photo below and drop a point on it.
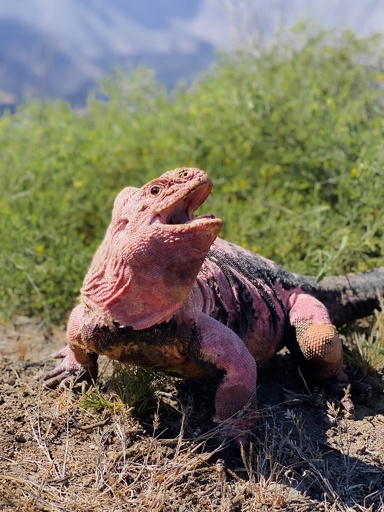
(246, 313)
(246, 317)
(221, 313)
(289, 281)
(257, 272)
(159, 347)
(107, 338)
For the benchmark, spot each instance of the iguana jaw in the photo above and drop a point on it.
(181, 212)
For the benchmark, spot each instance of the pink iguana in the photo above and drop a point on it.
(164, 292)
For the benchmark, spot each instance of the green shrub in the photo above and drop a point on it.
(292, 136)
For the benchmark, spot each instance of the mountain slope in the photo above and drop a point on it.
(59, 49)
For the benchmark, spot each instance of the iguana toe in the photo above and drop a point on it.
(342, 394)
(71, 372)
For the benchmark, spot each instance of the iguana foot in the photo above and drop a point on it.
(225, 454)
(342, 393)
(224, 443)
(77, 367)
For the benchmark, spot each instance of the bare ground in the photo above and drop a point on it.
(56, 455)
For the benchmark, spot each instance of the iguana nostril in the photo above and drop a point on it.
(184, 174)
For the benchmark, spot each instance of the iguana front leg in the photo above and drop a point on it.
(237, 391)
(78, 363)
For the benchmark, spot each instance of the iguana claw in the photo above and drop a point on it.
(71, 372)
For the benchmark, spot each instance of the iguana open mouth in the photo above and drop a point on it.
(182, 211)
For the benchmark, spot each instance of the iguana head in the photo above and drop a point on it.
(169, 201)
(153, 249)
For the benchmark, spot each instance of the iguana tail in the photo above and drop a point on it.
(352, 296)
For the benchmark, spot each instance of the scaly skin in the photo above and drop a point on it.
(163, 292)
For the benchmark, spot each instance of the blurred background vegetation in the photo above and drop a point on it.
(291, 134)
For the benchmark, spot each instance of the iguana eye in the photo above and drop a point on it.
(155, 190)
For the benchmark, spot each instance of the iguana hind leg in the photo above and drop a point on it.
(320, 348)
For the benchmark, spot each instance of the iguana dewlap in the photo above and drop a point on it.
(163, 292)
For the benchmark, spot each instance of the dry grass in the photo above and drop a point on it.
(275, 474)
(56, 455)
